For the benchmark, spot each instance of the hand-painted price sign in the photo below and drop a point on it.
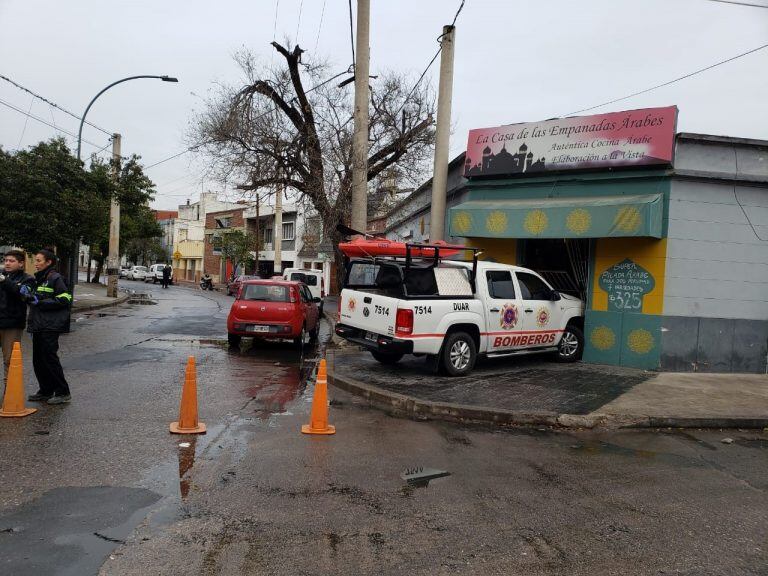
(626, 284)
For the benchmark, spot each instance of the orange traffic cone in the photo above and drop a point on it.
(13, 401)
(318, 420)
(188, 423)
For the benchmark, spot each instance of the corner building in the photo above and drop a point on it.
(670, 254)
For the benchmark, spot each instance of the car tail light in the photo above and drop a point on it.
(404, 322)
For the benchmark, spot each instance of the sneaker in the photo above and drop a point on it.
(59, 399)
(38, 397)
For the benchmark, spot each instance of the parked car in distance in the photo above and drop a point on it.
(234, 285)
(155, 273)
(136, 273)
(274, 309)
(312, 278)
(123, 271)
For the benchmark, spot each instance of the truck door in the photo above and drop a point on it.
(503, 312)
(541, 315)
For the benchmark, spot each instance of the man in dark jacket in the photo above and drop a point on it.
(48, 317)
(166, 275)
(15, 287)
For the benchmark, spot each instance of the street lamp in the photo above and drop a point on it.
(114, 212)
(82, 120)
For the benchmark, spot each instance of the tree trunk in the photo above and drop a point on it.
(99, 269)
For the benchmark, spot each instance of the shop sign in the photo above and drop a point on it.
(620, 139)
(626, 284)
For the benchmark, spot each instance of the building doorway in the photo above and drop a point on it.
(563, 262)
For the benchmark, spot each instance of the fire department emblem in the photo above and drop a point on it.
(351, 304)
(542, 317)
(509, 316)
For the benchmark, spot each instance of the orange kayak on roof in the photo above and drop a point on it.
(369, 247)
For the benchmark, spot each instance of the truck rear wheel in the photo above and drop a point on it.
(387, 357)
(571, 345)
(457, 358)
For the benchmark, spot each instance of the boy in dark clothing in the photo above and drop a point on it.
(48, 317)
(15, 287)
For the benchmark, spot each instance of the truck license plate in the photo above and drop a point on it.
(257, 328)
(371, 336)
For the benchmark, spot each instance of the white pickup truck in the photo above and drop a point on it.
(452, 311)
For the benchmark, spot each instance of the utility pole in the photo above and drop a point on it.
(360, 139)
(277, 233)
(113, 260)
(442, 136)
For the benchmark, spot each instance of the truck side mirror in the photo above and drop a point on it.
(555, 296)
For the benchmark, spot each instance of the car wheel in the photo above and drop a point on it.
(314, 333)
(458, 354)
(302, 338)
(233, 340)
(387, 357)
(571, 345)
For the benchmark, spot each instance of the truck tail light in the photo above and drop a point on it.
(404, 322)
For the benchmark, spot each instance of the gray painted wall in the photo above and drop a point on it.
(717, 247)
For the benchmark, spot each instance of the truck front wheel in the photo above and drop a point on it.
(571, 345)
(387, 357)
(458, 355)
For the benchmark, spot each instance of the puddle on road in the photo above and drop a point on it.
(596, 448)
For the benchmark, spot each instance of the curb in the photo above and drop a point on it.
(116, 302)
(416, 409)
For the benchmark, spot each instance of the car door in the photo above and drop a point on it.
(541, 315)
(503, 314)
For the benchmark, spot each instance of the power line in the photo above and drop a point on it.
(351, 33)
(740, 3)
(28, 115)
(273, 109)
(298, 24)
(26, 120)
(28, 91)
(671, 81)
(320, 27)
(440, 49)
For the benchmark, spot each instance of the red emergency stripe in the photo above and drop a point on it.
(505, 333)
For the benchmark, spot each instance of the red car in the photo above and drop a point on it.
(233, 286)
(275, 309)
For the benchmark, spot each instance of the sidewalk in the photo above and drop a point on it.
(94, 296)
(533, 390)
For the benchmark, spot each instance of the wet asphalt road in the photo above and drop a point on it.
(100, 486)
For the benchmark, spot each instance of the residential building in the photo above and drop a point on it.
(189, 235)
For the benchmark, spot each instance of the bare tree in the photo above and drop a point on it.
(276, 131)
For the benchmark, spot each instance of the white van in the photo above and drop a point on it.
(155, 273)
(312, 278)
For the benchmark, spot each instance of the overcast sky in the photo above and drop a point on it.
(516, 61)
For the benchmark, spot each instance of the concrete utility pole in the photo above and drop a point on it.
(277, 233)
(442, 136)
(113, 260)
(359, 219)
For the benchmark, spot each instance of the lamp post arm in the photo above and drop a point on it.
(82, 120)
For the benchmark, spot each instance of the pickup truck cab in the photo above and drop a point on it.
(453, 311)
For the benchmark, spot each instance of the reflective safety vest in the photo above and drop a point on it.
(51, 313)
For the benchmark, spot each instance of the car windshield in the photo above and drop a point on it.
(265, 293)
(141, 268)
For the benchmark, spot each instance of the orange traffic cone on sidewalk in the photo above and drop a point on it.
(13, 401)
(188, 423)
(318, 420)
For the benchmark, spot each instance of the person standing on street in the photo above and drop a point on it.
(48, 317)
(15, 287)
(166, 275)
